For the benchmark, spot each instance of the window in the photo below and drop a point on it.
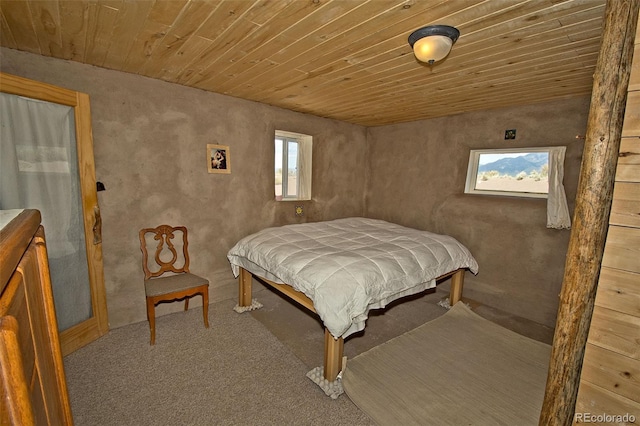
(292, 166)
(521, 172)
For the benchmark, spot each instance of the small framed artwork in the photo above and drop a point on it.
(218, 158)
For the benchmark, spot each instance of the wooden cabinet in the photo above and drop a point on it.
(33, 388)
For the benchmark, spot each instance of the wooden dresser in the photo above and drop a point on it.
(33, 388)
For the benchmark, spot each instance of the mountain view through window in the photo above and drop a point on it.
(513, 172)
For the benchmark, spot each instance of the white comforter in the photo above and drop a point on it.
(349, 266)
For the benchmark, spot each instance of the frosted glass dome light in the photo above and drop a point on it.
(433, 43)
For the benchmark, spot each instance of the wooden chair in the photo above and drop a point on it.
(178, 283)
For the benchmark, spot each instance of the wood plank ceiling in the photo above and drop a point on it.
(343, 59)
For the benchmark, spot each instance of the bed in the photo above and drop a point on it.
(341, 269)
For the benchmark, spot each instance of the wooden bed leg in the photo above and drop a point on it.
(333, 350)
(457, 282)
(244, 288)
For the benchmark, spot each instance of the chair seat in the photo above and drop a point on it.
(173, 283)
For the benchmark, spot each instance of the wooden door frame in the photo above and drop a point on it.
(98, 325)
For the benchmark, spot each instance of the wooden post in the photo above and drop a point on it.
(457, 282)
(244, 288)
(591, 217)
(333, 352)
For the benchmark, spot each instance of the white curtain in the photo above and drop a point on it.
(557, 209)
(38, 160)
(305, 168)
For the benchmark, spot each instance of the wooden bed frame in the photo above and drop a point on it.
(333, 348)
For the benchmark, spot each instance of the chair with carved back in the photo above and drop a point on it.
(166, 272)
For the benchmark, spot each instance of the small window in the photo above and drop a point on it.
(519, 172)
(292, 166)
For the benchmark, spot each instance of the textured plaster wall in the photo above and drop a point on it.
(150, 142)
(416, 177)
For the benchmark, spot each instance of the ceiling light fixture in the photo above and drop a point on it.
(433, 43)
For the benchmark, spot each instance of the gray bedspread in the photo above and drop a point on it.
(350, 266)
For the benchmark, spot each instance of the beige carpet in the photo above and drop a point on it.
(458, 369)
(234, 373)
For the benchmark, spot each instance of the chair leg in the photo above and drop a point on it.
(151, 316)
(205, 307)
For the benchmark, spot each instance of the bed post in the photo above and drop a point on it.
(244, 288)
(333, 350)
(457, 282)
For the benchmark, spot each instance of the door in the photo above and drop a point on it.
(38, 172)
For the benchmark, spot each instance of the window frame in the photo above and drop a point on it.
(472, 171)
(303, 170)
(286, 140)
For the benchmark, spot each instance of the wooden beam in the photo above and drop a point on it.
(591, 217)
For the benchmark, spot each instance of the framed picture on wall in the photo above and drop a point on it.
(218, 158)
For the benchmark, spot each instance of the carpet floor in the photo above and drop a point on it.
(246, 369)
(234, 373)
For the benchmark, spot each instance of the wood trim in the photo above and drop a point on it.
(29, 342)
(73, 338)
(20, 411)
(87, 170)
(37, 90)
(98, 325)
(292, 294)
(52, 324)
(18, 234)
